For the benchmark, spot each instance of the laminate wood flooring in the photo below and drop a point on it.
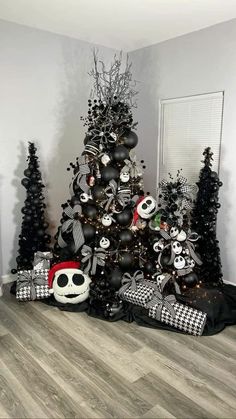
(56, 364)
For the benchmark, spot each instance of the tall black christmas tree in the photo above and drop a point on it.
(33, 235)
(204, 218)
(104, 223)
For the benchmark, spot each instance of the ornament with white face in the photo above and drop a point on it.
(147, 207)
(181, 236)
(174, 231)
(106, 220)
(176, 247)
(84, 197)
(124, 177)
(179, 262)
(70, 286)
(105, 159)
(158, 246)
(104, 243)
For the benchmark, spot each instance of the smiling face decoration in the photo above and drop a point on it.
(70, 286)
(147, 207)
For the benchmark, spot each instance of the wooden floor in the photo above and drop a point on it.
(57, 364)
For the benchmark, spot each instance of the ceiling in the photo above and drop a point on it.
(119, 24)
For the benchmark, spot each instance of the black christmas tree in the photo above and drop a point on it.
(33, 236)
(104, 223)
(204, 219)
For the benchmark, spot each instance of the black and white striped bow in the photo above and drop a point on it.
(129, 281)
(167, 278)
(160, 301)
(74, 225)
(122, 197)
(94, 258)
(80, 177)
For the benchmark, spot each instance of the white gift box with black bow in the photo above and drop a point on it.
(32, 285)
(135, 289)
(42, 260)
(167, 310)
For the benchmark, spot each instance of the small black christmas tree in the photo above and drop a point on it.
(204, 217)
(33, 235)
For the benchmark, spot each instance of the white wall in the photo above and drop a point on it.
(44, 88)
(200, 62)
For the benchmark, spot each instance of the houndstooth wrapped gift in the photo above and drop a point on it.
(32, 285)
(167, 310)
(42, 260)
(135, 289)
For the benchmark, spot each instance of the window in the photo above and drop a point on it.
(187, 126)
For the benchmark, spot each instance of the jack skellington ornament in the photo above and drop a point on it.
(176, 247)
(104, 243)
(179, 262)
(68, 283)
(106, 220)
(147, 207)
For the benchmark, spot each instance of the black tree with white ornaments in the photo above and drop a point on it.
(204, 218)
(104, 223)
(33, 236)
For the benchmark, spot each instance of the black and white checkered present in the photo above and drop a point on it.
(42, 260)
(32, 285)
(136, 290)
(167, 310)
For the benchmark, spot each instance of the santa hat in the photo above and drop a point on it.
(58, 267)
(135, 216)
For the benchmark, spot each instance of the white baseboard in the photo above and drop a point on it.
(229, 283)
(7, 279)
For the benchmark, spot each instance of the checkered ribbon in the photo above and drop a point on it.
(129, 281)
(111, 192)
(32, 279)
(94, 258)
(160, 301)
(41, 257)
(74, 225)
(80, 177)
(133, 166)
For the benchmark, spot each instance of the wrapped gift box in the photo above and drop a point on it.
(32, 285)
(139, 294)
(42, 260)
(180, 316)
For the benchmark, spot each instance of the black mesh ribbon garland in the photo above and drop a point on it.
(111, 192)
(160, 301)
(81, 175)
(41, 257)
(30, 279)
(74, 225)
(129, 281)
(94, 258)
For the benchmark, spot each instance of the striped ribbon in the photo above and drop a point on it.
(129, 281)
(74, 225)
(94, 258)
(80, 177)
(160, 301)
(31, 279)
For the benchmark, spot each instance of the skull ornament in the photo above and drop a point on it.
(179, 262)
(191, 262)
(70, 286)
(181, 236)
(158, 246)
(124, 177)
(147, 207)
(104, 243)
(176, 247)
(174, 231)
(106, 220)
(84, 197)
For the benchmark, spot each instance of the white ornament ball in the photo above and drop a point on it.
(105, 159)
(104, 243)
(179, 262)
(106, 220)
(176, 247)
(124, 177)
(181, 237)
(174, 231)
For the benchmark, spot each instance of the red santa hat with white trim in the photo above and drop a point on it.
(71, 264)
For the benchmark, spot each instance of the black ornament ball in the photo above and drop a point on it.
(124, 218)
(89, 232)
(126, 261)
(131, 139)
(90, 211)
(190, 280)
(126, 236)
(108, 173)
(98, 192)
(14, 271)
(27, 172)
(120, 153)
(40, 233)
(34, 188)
(115, 278)
(149, 267)
(165, 260)
(25, 182)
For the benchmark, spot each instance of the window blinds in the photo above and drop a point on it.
(187, 126)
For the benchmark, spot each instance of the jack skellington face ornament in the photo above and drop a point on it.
(176, 247)
(104, 243)
(70, 286)
(158, 246)
(106, 220)
(124, 177)
(147, 207)
(174, 231)
(179, 262)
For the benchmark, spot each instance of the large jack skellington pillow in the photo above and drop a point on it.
(68, 283)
